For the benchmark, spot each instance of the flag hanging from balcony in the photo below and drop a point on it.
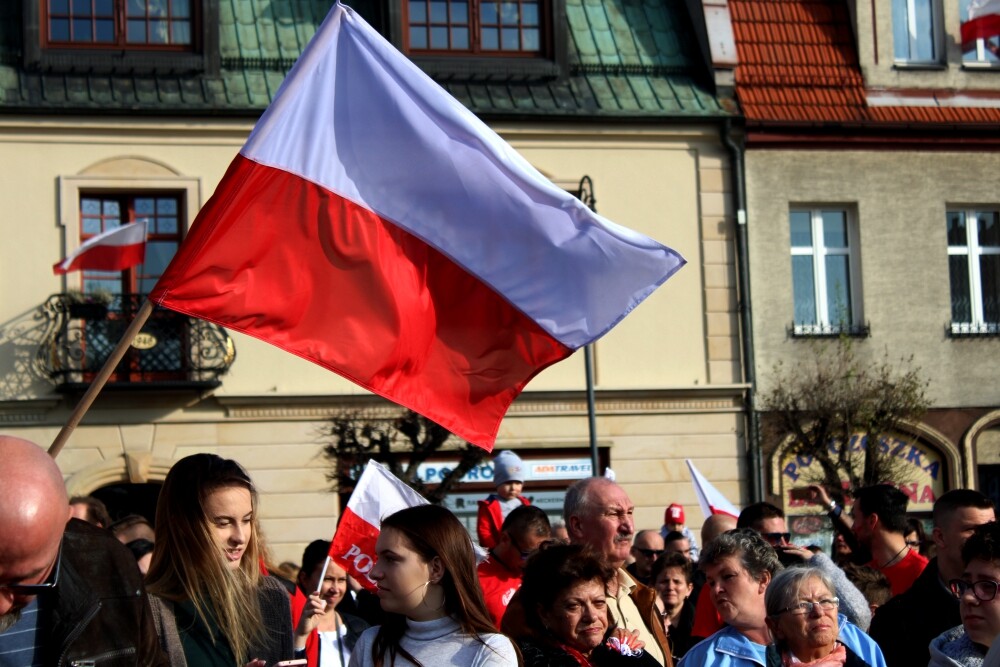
(114, 250)
(373, 225)
(983, 22)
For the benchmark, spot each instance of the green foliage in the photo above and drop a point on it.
(816, 406)
(401, 442)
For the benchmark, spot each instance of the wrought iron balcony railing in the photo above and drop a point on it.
(171, 350)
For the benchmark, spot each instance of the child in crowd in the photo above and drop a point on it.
(508, 475)
(673, 519)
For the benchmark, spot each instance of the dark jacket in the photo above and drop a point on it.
(515, 625)
(275, 611)
(98, 612)
(920, 614)
(544, 654)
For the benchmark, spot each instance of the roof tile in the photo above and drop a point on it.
(798, 62)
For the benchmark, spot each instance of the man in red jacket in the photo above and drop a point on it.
(522, 532)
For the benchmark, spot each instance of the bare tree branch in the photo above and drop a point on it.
(838, 410)
(402, 443)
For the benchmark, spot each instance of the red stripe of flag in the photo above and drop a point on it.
(357, 295)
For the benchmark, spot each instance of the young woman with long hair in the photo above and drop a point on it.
(427, 585)
(212, 605)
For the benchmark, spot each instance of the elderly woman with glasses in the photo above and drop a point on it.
(966, 644)
(802, 614)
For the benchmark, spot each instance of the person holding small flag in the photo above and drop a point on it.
(323, 635)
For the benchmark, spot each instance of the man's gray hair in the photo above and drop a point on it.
(756, 555)
(578, 496)
(783, 591)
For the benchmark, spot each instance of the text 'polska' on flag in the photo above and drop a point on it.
(378, 494)
(375, 226)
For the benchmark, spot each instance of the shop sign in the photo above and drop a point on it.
(924, 473)
(537, 470)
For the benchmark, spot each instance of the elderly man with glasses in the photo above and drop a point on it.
(70, 594)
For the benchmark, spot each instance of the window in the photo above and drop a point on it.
(980, 42)
(915, 31)
(974, 271)
(118, 23)
(493, 27)
(127, 289)
(824, 273)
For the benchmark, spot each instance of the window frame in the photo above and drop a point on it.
(824, 326)
(551, 62)
(120, 22)
(201, 56)
(937, 35)
(973, 251)
(474, 26)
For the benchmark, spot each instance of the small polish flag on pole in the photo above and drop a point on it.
(378, 494)
(114, 250)
(710, 499)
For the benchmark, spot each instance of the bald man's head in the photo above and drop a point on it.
(34, 506)
(714, 526)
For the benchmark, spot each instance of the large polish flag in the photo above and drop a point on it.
(378, 494)
(710, 498)
(373, 225)
(114, 250)
(983, 23)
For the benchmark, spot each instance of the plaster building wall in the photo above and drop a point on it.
(900, 200)
(668, 378)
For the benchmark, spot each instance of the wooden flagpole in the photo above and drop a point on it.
(102, 378)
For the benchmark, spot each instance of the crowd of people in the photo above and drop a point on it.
(196, 588)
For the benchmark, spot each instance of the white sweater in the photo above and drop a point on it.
(440, 642)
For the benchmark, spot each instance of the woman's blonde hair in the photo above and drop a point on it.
(187, 564)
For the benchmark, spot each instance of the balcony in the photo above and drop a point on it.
(172, 351)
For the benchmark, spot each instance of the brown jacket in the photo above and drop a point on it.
(515, 626)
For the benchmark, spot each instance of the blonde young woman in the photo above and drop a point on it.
(212, 604)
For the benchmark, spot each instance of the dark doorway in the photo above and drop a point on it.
(124, 499)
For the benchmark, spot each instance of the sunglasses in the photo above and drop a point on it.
(35, 589)
(650, 553)
(984, 590)
(777, 538)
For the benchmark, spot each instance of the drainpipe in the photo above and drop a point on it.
(755, 461)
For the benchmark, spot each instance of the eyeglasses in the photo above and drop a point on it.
(777, 538)
(808, 606)
(524, 554)
(984, 590)
(35, 589)
(650, 553)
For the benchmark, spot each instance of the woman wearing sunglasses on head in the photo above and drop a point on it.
(966, 645)
(802, 614)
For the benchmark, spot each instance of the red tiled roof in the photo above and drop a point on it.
(798, 63)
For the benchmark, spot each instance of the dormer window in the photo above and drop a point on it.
(483, 27)
(117, 24)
